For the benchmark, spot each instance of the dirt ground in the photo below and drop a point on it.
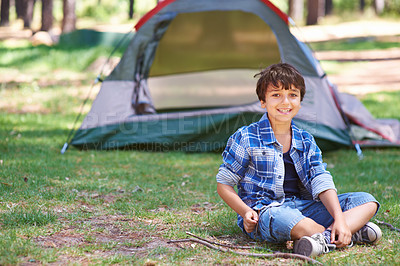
(369, 77)
(373, 71)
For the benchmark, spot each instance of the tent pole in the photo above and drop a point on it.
(66, 144)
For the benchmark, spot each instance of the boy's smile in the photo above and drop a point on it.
(282, 105)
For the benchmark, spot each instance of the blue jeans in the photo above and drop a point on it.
(275, 223)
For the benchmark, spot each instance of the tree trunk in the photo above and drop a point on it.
(328, 7)
(5, 13)
(47, 15)
(28, 12)
(362, 5)
(316, 9)
(379, 5)
(296, 9)
(69, 19)
(131, 8)
(19, 8)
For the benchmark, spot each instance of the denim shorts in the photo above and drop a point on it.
(276, 223)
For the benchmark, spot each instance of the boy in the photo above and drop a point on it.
(284, 191)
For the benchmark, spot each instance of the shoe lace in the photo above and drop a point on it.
(357, 236)
(326, 247)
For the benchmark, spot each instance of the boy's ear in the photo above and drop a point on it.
(263, 104)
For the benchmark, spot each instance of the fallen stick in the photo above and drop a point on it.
(222, 245)
(258, 255)
(388, 225)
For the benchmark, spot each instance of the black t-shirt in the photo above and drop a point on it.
(290, 184)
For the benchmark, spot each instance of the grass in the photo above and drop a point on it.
(357, 44)
(44, 59)
(121, 207)
(31, 218)
(377, 101)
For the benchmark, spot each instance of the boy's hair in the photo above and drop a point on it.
(281, 74)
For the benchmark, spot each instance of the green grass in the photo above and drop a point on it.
(356, 44)
(383, 104)
(31, 218)
(42, 59)
(121, 207)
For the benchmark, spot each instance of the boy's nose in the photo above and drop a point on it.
(285, 99)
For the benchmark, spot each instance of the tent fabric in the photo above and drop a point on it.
(214, 40)
(141, 98)
(210, 88)
(386, 129)
(185, 82)
(143, 45)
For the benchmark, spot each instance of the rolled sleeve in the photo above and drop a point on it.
(235, 161)
(227, 177)
(321, 179)
(322, 183)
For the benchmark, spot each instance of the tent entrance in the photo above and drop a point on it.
(202, 41)
(204, 89)
(210, 58)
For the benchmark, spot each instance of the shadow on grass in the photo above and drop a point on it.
(71, 57)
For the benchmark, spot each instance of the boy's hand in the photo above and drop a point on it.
(229, 195)
(250, 220)
(341, 234)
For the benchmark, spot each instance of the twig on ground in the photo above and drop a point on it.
(259, 255)
(223, 245)
(388, 225)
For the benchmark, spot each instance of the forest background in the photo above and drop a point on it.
(68, 12)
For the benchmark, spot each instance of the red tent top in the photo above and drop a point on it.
(164, 3)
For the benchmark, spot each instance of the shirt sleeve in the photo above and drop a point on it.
(235, 160)
(321, 179)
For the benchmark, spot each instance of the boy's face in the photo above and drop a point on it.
(282, 105)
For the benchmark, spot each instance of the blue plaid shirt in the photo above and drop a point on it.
(253, 161)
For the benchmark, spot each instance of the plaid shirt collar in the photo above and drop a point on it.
(268, 136)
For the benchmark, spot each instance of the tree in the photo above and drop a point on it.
(28, 12)
(131, 9)
(328, 7)
(362, 5)
(69, 19)
(379, 5)
(296, 9)
(316, 9)
(47, 15)
(19, 8)
(5, 13)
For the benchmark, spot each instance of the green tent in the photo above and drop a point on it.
(185, 82)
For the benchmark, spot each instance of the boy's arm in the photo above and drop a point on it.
(229, 195)
(339, 226)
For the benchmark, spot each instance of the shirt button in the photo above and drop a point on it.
(263, 153)
(280, 154)
(279, 176)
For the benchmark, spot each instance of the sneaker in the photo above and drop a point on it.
(368, 234)
(312, 246)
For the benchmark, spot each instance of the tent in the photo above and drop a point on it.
(186, 82)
